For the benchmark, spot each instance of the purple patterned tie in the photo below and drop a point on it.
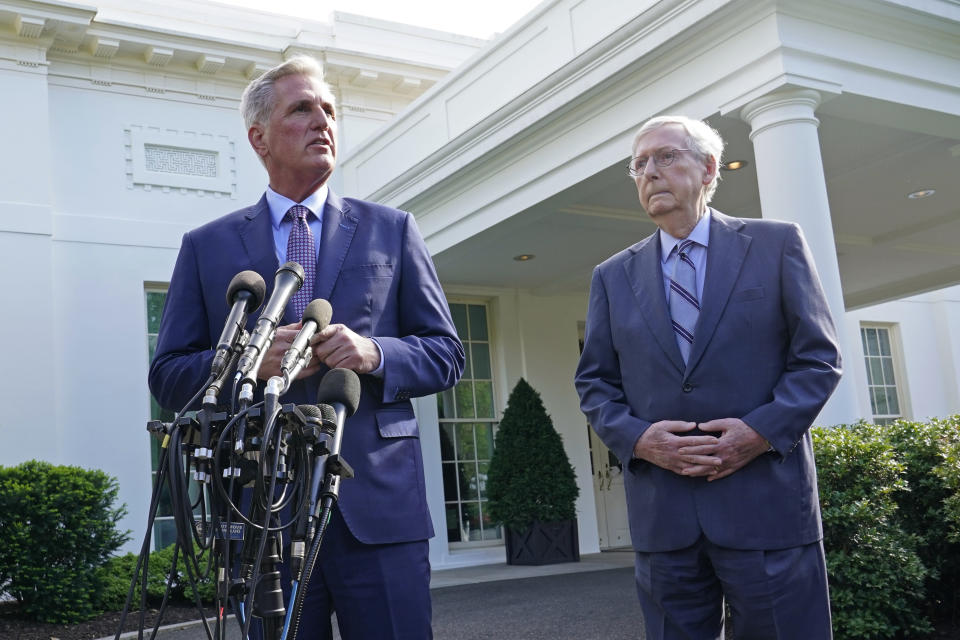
(684, 305)
(300, 249)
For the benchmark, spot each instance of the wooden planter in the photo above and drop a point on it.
(543, 543)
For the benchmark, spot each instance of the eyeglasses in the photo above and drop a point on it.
(662, 158)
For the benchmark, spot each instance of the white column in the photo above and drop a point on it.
(792, 187)
(28, 371)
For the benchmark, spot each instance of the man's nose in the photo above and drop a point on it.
(320, 119)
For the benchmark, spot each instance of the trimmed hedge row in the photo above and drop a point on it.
(890, 497)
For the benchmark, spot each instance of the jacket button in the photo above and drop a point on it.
(687, 387)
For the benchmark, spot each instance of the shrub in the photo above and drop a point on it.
(925, 504)
(530, 477)
(57, 525)
(876, 575)
(116, 574)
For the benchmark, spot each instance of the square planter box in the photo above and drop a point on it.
(543, 543)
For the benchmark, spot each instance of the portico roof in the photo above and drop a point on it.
(523, 149)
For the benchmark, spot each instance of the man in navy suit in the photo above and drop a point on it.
(391, 325)
(709, 351)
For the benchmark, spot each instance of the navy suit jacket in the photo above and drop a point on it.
(377, 274)
(765, 351)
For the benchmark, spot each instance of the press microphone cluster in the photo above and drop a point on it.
(288, 280)
(290, 467)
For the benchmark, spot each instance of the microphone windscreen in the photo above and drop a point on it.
(319, 311)
(327, 414)
(251, 282)
(310, 411)
(292, 267)
(340, 386)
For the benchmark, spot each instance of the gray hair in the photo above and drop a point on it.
(701, 138)
(258, 98)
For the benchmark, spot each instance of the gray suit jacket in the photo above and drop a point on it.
(765, 351)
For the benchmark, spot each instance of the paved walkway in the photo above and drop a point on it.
(594, 599)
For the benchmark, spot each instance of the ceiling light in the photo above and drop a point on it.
(734, 165)
(523, 257)
(921, 193)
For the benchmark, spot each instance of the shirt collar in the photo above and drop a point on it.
(700, 235)
(279, 204)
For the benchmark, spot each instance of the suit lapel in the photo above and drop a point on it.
(256, 236)
(727, 250)
(645, 274)
(338, 229)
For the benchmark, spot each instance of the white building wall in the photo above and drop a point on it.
(926, 329)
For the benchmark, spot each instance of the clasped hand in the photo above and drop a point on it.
(706, 456)
(335, 346)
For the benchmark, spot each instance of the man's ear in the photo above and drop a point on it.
(257, 137)
(711, 164)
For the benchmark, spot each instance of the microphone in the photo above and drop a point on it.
(245, 295)
(340, 388)
(316, 317)
(288, 280)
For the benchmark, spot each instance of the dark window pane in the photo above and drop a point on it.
(459, 313)
(876, 371)
(879, 401)
(464, 393)
(883, 337)
(450, 482)
(164, 533)
(484, 435)
(469, 489)
(888, 371)
(453, 523)
(466, 450)
(482, 468)
(478, 322)
(470, 521)
(893, 405)
(481, 360)
(447, 451)
(155, 300)
(445, 407)
(490, 531)
(872, 347)
(164, 506)
(484, 399)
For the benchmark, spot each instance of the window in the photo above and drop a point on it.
(467, 428)
(164, 529)
(885, 403)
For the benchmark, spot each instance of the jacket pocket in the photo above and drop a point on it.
(397, 423)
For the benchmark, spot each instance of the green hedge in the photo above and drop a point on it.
(57, 525)
(116, 574)
(890, 497)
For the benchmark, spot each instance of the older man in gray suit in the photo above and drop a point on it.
(709, 351)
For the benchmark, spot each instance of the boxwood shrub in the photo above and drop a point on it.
(57, 525)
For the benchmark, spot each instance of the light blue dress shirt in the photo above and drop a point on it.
(697, 253)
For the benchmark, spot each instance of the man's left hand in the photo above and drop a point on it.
(338, 346)
(737, 445)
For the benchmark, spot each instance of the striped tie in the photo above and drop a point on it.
(300, 249)
(684, 305)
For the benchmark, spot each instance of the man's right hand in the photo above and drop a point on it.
(282, 340)
(660, 445)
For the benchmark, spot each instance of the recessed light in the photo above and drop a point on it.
(921, 193)
(523, 257)
(734, 165)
